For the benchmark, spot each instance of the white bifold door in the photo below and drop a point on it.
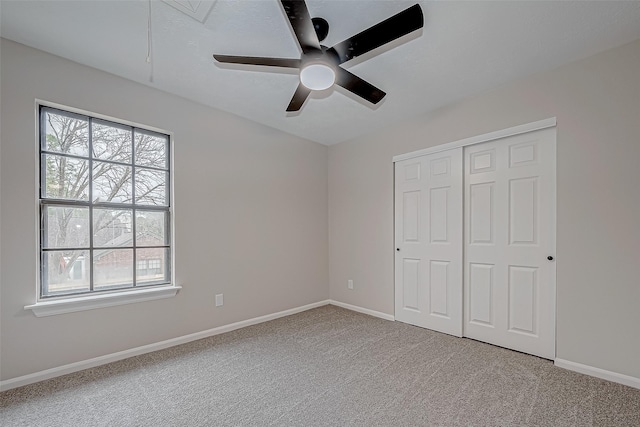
(509, 270)
(428, 223)
(475, 241)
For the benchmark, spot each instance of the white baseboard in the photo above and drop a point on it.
(374, 313)
(599, 373)
(113, 357)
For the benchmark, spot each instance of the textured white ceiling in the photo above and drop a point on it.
(464, 48)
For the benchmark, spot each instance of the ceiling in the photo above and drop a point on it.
(465, 48)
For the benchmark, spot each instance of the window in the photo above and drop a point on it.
(104, 205)
(149, 268)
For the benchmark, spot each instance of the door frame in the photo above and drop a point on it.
(515, 130)
(491, 136)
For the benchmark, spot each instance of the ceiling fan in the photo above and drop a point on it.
(320, 66)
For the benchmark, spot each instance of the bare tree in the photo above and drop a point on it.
(114, 151)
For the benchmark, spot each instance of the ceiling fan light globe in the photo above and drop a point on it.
(317, 76)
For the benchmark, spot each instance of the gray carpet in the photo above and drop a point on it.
(325, 367)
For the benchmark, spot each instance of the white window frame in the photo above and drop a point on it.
(53, 305)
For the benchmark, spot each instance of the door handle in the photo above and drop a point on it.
(398, 249)
(550, 258)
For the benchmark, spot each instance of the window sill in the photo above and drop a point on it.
(70, 305)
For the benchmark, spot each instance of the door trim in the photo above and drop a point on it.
(503, 133)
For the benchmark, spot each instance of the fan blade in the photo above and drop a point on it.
(299, 97)
(355, 84)
(380, 34)
(300, 21)
(256, 60)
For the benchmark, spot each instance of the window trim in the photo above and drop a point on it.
(50, 305)
(62, 305)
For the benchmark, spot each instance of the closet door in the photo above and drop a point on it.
(510, 273)
(428, 237)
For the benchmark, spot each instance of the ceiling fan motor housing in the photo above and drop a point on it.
(318, 68)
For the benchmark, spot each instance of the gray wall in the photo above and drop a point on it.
(597, 105)
(251, 217)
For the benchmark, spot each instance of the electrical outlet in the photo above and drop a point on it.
(219, 300)
(350, 284)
